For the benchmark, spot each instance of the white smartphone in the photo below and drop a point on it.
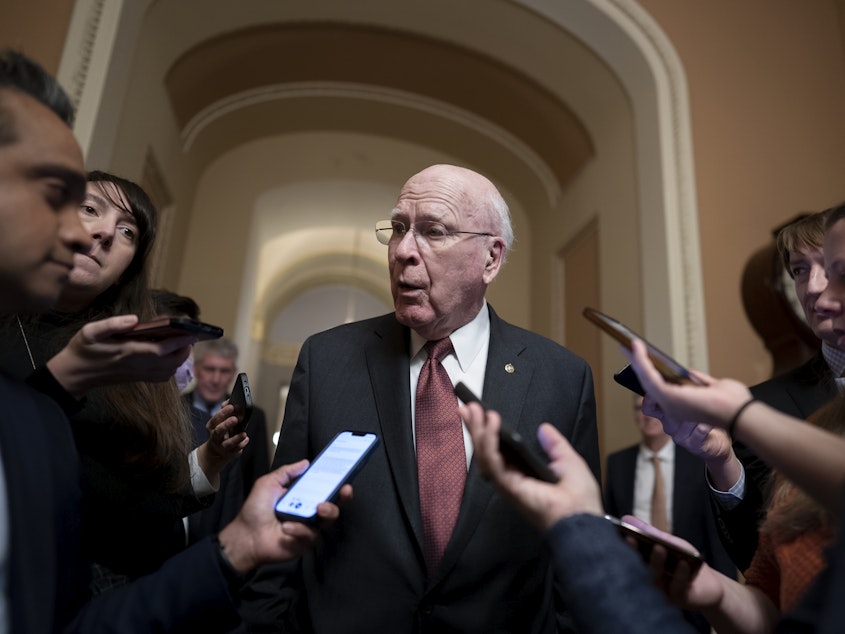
(336, 465)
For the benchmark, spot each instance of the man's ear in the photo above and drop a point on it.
(495, 258)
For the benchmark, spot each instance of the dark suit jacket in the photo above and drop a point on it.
(691, 516)
(48, 580)
(237, 478)
(799, 392)
(367, 572)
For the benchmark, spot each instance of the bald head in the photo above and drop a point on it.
(456, 228)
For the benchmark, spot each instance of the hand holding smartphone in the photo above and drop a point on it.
(512, 445)
(167, 327)
(671, 370)
(336, 465)
(675, 553)
(241, 400)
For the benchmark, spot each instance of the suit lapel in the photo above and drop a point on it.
(388, 366)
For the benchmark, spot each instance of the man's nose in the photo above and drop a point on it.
(407, 246)
(817, 282)
(72, 232)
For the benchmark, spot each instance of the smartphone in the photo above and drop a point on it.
(626, 377)
(675, 553)
(672, 371)
(166, 327)
(512, 445)
(336, 465)
(241, 399)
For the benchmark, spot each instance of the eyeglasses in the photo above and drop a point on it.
(434, 234)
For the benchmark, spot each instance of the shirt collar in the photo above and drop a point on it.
(834, 357)
(468, 340)
(666, 453)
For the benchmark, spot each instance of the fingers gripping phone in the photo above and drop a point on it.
(675, 553)
(336, 465)
(512, 445)
(241, 399)
(671, 370)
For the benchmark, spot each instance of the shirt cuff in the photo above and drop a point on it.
(732, 497)
(199, 482)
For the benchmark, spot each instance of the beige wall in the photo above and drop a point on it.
(36, 27)
(767, 85)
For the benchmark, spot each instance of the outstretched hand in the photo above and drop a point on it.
(543, 503)
(94, 357)
(257, 537)
(713, 401)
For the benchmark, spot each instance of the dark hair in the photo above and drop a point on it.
(20, 73)
(131, 293)
(169, 303)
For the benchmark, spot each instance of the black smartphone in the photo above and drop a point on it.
(672, 371)
(241, 399)
(166, 327)
(336, 465)
(675, 553)
(626, 377)
(512, 445)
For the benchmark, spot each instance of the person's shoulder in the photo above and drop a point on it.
(37, 415)
(815, 371)
(531, 340)
(619, 454)
(355, 328)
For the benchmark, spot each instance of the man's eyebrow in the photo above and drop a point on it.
(74, 181)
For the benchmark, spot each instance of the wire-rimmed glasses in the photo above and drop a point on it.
(431, 232)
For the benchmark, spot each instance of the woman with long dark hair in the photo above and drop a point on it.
(131, 430)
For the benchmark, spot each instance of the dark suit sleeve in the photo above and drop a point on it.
(189, 593)
(605, 584)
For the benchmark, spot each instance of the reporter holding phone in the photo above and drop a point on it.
(130, 428)
(43, 577)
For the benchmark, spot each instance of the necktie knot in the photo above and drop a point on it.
(439, 349)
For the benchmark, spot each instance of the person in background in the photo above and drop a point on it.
(673, 498)
(215, 366)
(427, 546)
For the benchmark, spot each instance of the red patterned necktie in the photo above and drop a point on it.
(441, 458)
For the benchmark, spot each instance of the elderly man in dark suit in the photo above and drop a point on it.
(426, 545)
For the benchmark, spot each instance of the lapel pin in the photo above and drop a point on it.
(509, 368)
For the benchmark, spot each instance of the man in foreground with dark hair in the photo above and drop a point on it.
(42, 183)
